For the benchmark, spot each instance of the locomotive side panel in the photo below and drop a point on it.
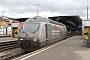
(57, 33)
(54, 33)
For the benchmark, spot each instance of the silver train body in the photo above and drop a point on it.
(38, 32)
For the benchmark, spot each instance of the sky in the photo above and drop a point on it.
(46, 8)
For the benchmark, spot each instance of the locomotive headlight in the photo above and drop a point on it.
(21, 39)
(35, 39)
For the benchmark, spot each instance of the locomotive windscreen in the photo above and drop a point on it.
(32, 27)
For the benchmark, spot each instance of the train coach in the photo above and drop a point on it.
(38, 32)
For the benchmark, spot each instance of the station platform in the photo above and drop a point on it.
(72, 49)
(4, 35)
(7, 39)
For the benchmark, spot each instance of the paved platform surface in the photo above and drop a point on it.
(6, 39)
(72, 49)
(8, 35)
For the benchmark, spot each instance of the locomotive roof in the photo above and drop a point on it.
(37, 19)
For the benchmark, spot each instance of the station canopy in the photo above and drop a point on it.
(75, 21)
(21, 19)
(72, 23)
(62, 19)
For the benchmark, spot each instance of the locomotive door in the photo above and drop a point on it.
(43, 33)
(48, 33)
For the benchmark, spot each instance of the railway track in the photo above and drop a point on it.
(10, 54)
(8, 46)
(23, 57)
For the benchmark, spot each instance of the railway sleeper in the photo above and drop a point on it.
(8, 48)
(7, 43)
(1, 47)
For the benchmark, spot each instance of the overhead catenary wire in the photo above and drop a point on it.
(49, 5)
(11, 10)
(36, 6)
(20, 12)
(14, 11)
(32, 4)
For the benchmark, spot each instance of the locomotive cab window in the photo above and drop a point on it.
(32, 27)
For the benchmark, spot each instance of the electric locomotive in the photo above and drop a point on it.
(38, 32)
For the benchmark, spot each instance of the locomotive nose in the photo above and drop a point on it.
(26, 34)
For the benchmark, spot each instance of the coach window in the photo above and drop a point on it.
(43, 27)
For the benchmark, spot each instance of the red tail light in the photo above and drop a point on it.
(20, 24)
